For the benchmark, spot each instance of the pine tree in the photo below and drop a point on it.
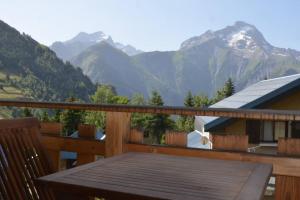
(57, 116)
(189, 100)
(229, 88)
(72, 118)
(186, 123)
(45, 116)
(202, 101)
(157, 124)
(27, 112)
(138, 119)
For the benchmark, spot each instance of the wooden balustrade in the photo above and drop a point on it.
(230, 142)
(120, 138)
(54, 129)
(288, 187)
(87, 132)
(261, 114)
(178, 139)
(136, 136)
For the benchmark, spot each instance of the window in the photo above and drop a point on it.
(279, 131)
(271, 131)
(295, 129)
(267, 131)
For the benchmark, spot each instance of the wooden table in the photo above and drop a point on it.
(157, 176)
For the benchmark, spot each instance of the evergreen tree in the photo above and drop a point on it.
(138, 119)
(57, 115)
(229, 88)
(27, 113)
(157, 124)
(186, 123)
(201, 101)
(45, 116)
(72, 118)
(189, 100)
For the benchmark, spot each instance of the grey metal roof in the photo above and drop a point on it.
(253, 96)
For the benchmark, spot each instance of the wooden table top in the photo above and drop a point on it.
(158, 176)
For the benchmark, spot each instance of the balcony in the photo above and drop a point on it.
(120, 138)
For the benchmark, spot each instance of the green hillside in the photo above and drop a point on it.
(31, 70)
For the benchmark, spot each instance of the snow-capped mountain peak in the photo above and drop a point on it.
(70, 48)
(238, 36)
(89, 37)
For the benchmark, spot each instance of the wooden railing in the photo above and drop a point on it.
(120, 138)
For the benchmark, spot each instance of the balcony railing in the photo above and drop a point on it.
(121, 138)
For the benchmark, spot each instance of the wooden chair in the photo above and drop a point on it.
(22, 160)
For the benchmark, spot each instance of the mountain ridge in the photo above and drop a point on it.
(70, 48)
(202, 64)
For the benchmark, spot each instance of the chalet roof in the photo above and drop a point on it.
(253, 96)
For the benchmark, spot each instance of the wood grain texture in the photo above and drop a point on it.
(230, 142)
(88, 132)
(136, 136)
(178, 139)
(289, 146)
(55, 129)
(287, 166)
(22, 160)
(79, 145)
(288, 188)
(156, 176)
(117, 132)
(50, 128)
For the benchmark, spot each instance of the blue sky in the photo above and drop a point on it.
(152, 24)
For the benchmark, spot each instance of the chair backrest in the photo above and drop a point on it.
(22, 160)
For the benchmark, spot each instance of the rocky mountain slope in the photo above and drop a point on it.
(202, 64)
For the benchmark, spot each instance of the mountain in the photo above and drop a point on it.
(202, 64)
(71, 48)
(105, 64)
(31, 70)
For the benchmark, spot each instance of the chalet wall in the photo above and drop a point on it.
(290, 102)
(236, 128)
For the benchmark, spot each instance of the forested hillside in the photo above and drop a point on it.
(31, 70)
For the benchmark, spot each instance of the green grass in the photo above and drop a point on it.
(12, 77)
(9, 92)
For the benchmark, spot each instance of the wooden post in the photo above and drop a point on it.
(88, 132)
(288, 187)
(117, 133)
(136, 136)
(178, 139)
(53, 128)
